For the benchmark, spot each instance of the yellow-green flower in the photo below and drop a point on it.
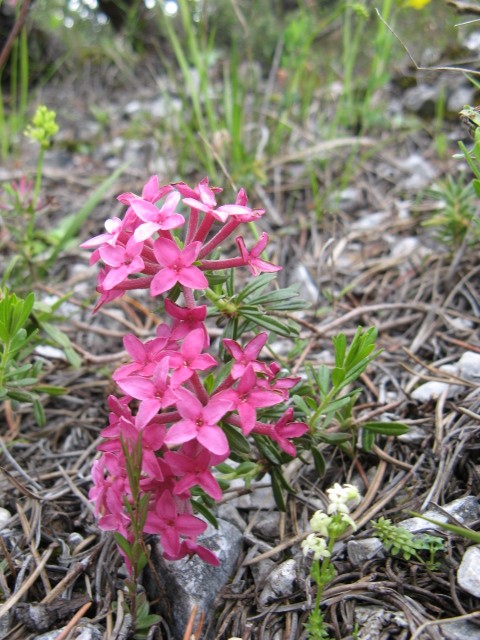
(416, 4)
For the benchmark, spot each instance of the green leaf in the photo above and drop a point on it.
(269, 322)
(340, 345)
(338, 376)
(236, 439)
(52, 390)
(39, 412)
(147, 621)
(318, 461)
(459, 531)
(335, 438)
(368, 439)
(386, 428)
(205, 511)
(278, 493)
(256, 284)
(124, 545)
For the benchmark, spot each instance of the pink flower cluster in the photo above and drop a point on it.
(165, 403)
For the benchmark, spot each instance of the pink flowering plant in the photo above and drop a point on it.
(184, 408)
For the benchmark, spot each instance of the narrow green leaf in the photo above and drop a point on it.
(459, 531)
(124, 545)
(39, 412)
(236, 439)
(368, 439)
(318, 461)
(340, 345)
(278, 494)
(205, 511)
(386, 428)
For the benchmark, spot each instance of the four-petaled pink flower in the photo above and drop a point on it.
(248, 397)
(190, 358)
(200, 422)
(187, 319)
(155, 219)
(122, 260)
(155, 393)
(204, 200)
(165, 520)
(178, 266)
(255, 264)
(285, 429)
(244, 357)
(192, 465)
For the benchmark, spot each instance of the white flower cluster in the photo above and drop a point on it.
(324, 524)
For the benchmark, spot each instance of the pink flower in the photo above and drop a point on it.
(146, 356)
(155, 219)
(165, 520)
(202, 192)
(114, 227)
(190, 358)
(178, 267)
(203, 199)
(190, 548)
(200, 422)
(155, 393)
(285, 429)
(244, 357)
(186, 319)
(247, 397)
(255, 264)
(123, 262)
(106, 295)
(151, 191)
(192, 464)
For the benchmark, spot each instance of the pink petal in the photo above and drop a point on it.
(114, 277)
(164, 280)
(192, 277)
(166, 251)
(181, 431)
(213, 439)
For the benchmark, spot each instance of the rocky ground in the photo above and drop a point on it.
(366, 260)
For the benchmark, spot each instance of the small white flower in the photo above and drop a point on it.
(348, 520)
(339, 496)
(319, 523)
(315, 545)
(337, 507)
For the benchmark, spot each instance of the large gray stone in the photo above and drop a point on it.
(459, 630)
(465, 510)
(468, 574)
(190, 581)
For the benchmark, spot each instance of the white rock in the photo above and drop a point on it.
(469, 366)
(468, 574)
(280, 583)
(5, 516)
(433, 389)
(359, 551)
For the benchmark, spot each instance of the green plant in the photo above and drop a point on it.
(458, 218)
(400, 541)
(36, 250)
(327, 401)
(213, 130)
(326, 529)
(19, 376)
